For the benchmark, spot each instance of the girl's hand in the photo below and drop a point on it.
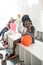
(29, 30)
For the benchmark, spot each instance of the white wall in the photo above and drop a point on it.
(36, 14)
(23, 7)
(10, 8)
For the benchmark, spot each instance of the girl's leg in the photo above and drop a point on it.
(15, 44)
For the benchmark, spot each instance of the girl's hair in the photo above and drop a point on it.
(26, 18)
(9, 24)
(13, 20)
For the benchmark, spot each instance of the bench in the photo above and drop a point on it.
(32, 55)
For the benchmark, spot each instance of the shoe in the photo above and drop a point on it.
(11, 56)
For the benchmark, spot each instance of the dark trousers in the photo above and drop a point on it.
(5, 29)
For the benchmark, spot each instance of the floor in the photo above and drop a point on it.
(11, 62)
(14, 61)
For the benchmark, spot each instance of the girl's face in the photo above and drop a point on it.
(27, 24)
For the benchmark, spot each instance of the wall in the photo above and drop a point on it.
(36, 14)
(10, 8)
(23, 7)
